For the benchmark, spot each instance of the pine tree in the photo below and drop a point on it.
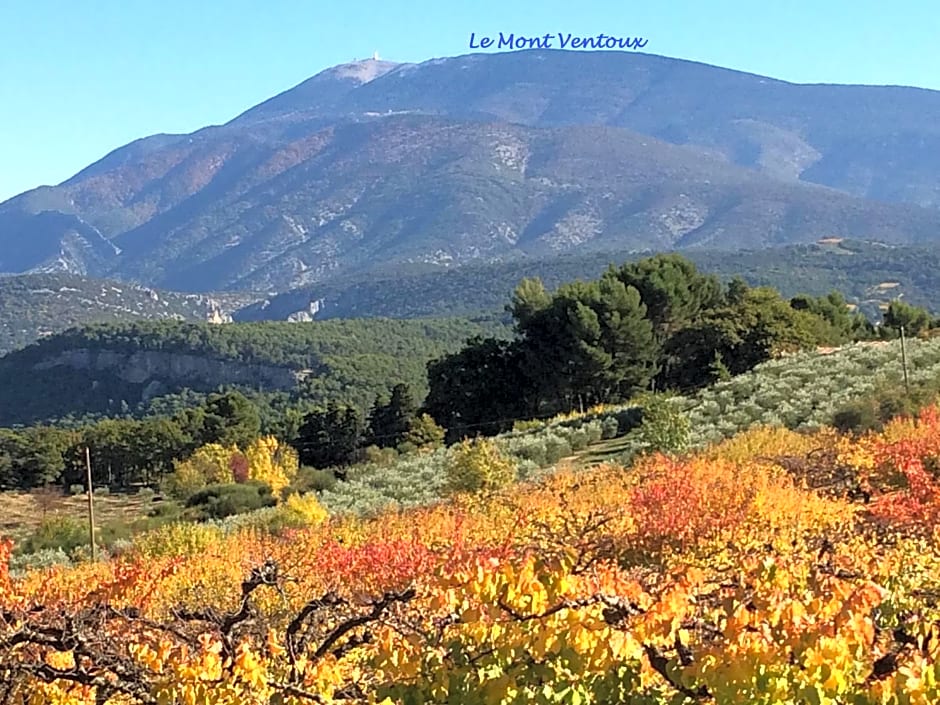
(390, 422)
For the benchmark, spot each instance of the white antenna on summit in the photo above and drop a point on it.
(375, 55)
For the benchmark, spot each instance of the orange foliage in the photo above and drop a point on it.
(714, 578)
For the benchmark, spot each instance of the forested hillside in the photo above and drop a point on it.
(116, 369)
(867, 274)
(338, 391)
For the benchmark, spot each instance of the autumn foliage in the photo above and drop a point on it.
(727, 577)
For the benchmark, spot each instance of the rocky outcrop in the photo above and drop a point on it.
(155, 369)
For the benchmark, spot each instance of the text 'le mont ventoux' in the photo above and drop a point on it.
(601, 41)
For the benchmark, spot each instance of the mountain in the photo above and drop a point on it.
(491, 157)
(868, 274)
(33, 306)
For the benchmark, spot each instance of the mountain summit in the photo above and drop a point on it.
(491, 156)
(318, 93)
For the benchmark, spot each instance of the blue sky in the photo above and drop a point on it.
(78, 79)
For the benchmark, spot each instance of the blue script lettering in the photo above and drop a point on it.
(485, 42)
(601, 41)
(514, 42)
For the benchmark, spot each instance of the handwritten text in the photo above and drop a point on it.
(565, 41)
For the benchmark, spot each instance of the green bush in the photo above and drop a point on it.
(220, 501)
(872, 411)
(168, 509)
(380, 456)
(478, 466)
(628, 419)
(664, 427)
(45, 558)
(310, 479)
(56, 532)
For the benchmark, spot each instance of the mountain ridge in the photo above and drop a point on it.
(335, 175)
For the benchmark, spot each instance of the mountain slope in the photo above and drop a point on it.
(835, 135)
(491, 156)
(33, 306)
(868, 274)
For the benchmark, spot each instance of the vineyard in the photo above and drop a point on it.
(775, 566)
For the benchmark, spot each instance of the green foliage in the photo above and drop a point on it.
(220, 501)
(423, 432)
(913, 319)
(330, 437)
(347, 361)
(600, 342)
(56, 532)
(310, 479)
(872, 411)
(478, 389)
(671, 289)
(748, 328)
(34, 456)
(391, 420)
(230, 420)
(477, 465)
(837, 324)
(665, 428)
(591, 344)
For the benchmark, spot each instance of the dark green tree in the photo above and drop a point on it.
(330, 437)
(672, 289)
(591, 344)
(480, 389)
(230, 419)
(34, 456)
(913, 318)
(755, 325)
(390, 420)
(838, 323)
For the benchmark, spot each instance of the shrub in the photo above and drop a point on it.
(664, 428)
(610, 428)
(424, 432)
(220, 501)
(56, 532)
(556, 448)
(310, 479)
(528, 425)
(176, 539)
(478, 466)
(578, 439)
(76, 489)
(302, 511)
(166, 509)
(380, 456)
(44, 558)
(858, 417)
